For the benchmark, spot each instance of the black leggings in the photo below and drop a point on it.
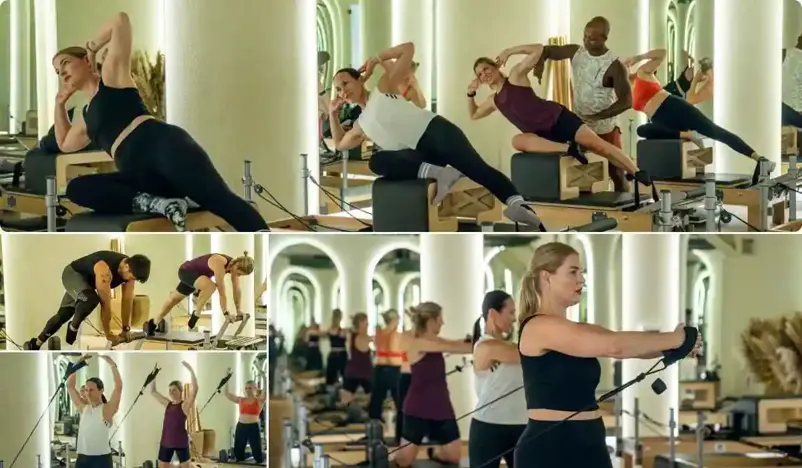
(385, 380)
(404, 380)
(488, 444)
(163, 160)
(569, 444)
(443, 144)
(335, 366)
(86, 302)
(790, 117)
(314, 359)
(94, 461)
(248, 434)
(676, 115)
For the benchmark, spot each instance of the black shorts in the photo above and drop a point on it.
(438, 432)
(94, 461)
(489, 444)
(350, 384)
(564, 129)
(186, 282)
(166, 454)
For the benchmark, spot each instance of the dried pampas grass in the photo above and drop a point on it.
(149, 79)
(773, 353)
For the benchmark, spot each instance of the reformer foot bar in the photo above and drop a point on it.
(205, 340)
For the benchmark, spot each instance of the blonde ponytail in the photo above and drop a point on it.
(422, 313)
(548, 257)
(245, 264)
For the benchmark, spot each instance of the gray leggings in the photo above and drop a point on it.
(80, 299)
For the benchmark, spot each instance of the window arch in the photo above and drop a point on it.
(325, 41)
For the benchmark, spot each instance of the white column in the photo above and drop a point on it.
(33, 286)
(47, 83)
(451, 275)
(376, 26)
(748, 79)
(21, 56)
(235, 245)
(704, 18)
(682, 32)
(354, 283)
(20, 414)
(658, 10)
(413, 21)
(262, 57)
(651, 302)
(602, 286)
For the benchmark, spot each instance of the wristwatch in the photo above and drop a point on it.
(472, 95)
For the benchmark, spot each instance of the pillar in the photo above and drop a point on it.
(262, 57)
(21, 66)
(748, 79)
(602, 287)
(458, 45)
(451, 275)
(235, 245)
(47, 82)
(354, 282)
(413, 21)
(20, 414)
(682, 34)
(704, 18)
(33, 288)
(651, 302)
(658, 36)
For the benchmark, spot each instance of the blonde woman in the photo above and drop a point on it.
(195, 277)
(561, 370)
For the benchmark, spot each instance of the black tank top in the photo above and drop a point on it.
(110, 112)
(558, 381)
(336, 340)
(86, 266)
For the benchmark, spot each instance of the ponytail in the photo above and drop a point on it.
(103, 399)
(529, 301)
(477, 331)
(244, 263)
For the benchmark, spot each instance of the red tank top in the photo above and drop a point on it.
(526, 110)
(643, 91)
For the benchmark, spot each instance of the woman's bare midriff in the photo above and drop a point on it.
(655, 102)
(248, 418)
(557, 415)
(127, 131)
(389, 361)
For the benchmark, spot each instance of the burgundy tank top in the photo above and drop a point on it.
(174, 430)
(428, 396)
(360, 364)
(200, 265)
(526, 110)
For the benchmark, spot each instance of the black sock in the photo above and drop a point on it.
(576, 152)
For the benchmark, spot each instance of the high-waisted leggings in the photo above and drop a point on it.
(676, 115)
(248, 434)
(489, 444)
(335, 366)
(163, 160)
(569, 444)
(443, 144)
(385, 380)
(404, 380)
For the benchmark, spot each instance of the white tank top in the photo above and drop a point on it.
(392, 122)
(792, 79)
(590, 94)
(93, 432)
(492, 384)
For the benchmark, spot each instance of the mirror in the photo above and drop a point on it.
(396, 285)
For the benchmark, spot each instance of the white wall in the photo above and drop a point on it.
(5, 63)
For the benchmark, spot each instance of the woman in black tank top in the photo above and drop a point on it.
(314, 358)
(559, 359)
(338, 355)
(160, 165)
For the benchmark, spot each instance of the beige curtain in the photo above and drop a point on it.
(558, 76)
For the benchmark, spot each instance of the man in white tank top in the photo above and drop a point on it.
(792, 85)
(600, 83)
(97, 417)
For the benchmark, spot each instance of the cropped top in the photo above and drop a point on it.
(643, 91)
(110, 112)
(250, 407)
(558, 381)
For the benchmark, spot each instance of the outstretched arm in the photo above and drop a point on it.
(236, 291)
(103, 287)
(619, 79)
(118, 35)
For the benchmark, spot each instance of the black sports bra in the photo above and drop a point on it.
(110, 112)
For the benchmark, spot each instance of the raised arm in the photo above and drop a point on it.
(399, 62)
(158, 396)
(113, 405)
(654, 58)
(189, 401)
(589, 341)
(127, 306)
(217, 263)
(533, 53)
(490, 352)
(103, 287)
(117, 34)
(230, 396)
(75, 395)
(563, 52)
(701, 89)
(617, 77)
